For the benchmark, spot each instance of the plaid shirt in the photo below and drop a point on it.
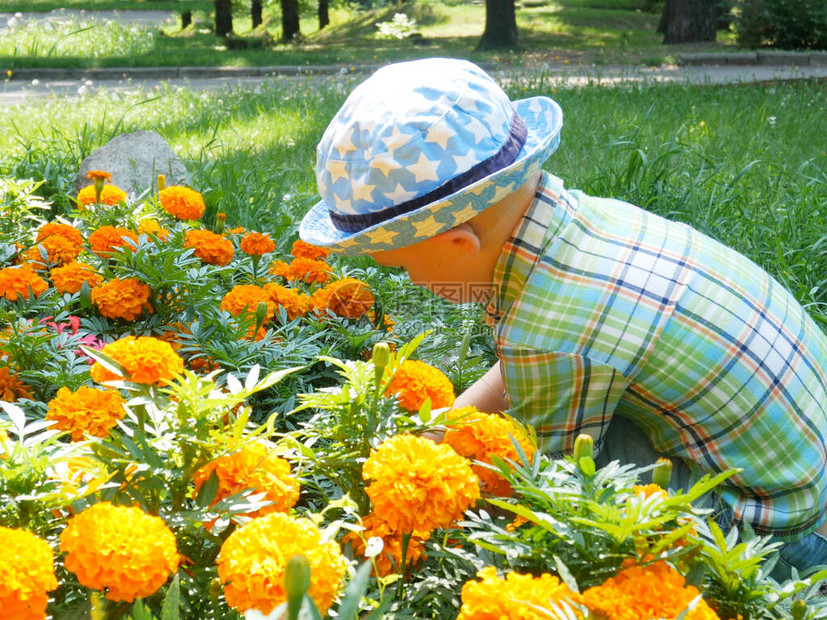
(602, 308)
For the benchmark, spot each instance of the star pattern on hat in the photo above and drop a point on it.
(424, 169)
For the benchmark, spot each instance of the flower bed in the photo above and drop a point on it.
(202, 422)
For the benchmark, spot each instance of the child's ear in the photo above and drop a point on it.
(462, 237)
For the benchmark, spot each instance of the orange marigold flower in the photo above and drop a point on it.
(389, 560)
(294, 302)
(107, 239)
(209, 247)
(516, 597)
(653, 591)
(110, 195)
(151, 228)
(246, 298)
(143, 359)
(348, 298)
(59, 250)
(238, 230)
(419, 485)
(28, 571)
(415, 381)
(76, 472)
(17, 281)
(253, 467)
(122, 298)
(56, 229)
(307, 270)
(70, 278)
(253, 559)
(119, 549)
(182, 202)
(86, 411)
(257, 244)
(99, 175)
(479, 436)
(302, 249)
(12, 388)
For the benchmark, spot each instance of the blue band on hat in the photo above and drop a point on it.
(356, 222)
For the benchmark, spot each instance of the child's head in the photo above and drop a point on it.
(419, 148)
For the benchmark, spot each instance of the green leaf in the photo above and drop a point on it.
(349, 607)
(172, 600)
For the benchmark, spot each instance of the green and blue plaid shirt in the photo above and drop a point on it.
(601, 308)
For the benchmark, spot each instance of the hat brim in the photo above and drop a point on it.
(544, 120)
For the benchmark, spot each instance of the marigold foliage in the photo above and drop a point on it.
(302, 249)
(70, 278)
(152, 228)
(479, 436)
(144, 360)
(28, 574)
(122, 298)
(182, 202)
(294, 302)
(120, 550)
(515, 597)
(653, 591)
(11, 388)
(107, 239)
(419, 485)
(211, 248)
(253, 467)
(415, 381)
(110, 195)
(15, 282)
(389, 560)
(87, 410)
(252, 562)
(245, 298)
(257, 244)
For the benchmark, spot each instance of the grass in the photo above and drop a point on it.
(593, 31)
(37, 6)
(736, 162)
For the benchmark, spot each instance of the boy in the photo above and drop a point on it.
(608, 320)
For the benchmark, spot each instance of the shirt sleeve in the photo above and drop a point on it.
(561, 395)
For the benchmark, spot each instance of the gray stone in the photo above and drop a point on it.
(818, 59)
(135, 160)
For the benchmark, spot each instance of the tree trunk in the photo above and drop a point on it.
(255, 13)
(500, 25)
(289, 20)
(186, 19)
(688, 21)
(324, 13)
(223, 18)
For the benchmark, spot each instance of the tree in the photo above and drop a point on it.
(256, 13)
(324, 13)
(688, 21)
(289, 20)
(223, 18)
(500, 25)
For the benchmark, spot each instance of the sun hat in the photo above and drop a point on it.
(420, 147)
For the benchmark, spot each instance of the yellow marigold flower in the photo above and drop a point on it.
(110, 195)
(182, 202)
(653, 591)
(257, 244)
(151, 228)
(302, 249)
(252, 562)
(122, 298)
(86, 411)
(294, 302)
(648, 490)
(245, 298)
(11, 388)
(514, 598)
(389, 560)
(107, 239)
(70, 278)
(144, 360)
(419, 485)
(120, 550)
(99, 175)
(28, 574)
(479, 436)
(79, 471)
(348, 298)
(209, 247)
(415, 381)
(17, 281)
(253, 467)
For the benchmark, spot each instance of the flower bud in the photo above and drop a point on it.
(261, 313)
(220, 222)
(381, 359)
(162, 182)
(296, 581)
(662, 474)
(583, 447)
